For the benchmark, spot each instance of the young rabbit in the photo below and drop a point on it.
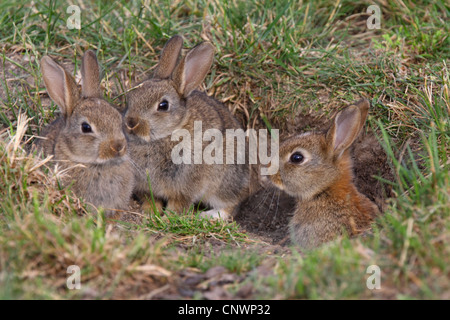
(87, 139)
(316, 168)
(168, 103)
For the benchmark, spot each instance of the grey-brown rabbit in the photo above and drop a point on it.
(87, 139)
(168, 104)
(316, 168)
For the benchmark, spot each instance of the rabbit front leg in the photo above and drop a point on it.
(179, 204)
(153, 207)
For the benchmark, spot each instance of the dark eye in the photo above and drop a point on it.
(297, 157)
(85, 127)
(163, 105)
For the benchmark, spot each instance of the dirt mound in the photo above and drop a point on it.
(369, 162)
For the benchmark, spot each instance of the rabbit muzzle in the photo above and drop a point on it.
(113, 149)
(274, 180)
(137, 127)
(119, 147)
(132, 124)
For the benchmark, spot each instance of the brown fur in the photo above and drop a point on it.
(97, 163)
(220, 186)
(328, 202)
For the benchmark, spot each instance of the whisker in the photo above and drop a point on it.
(136, 166)
(268, 211)
(274, 219)
(265, 194)
(89, 185)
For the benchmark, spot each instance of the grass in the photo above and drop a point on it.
(190, 225)
(274, 61)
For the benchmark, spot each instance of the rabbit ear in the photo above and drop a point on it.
(363, 106)
(346, 127)
(169, 57)
(90, 76)
(193, 68)
(60, 85)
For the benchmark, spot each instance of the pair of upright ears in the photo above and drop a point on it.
(346, 127)
(61, 85)
(188, 72)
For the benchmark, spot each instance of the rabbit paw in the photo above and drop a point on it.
(148, 206)
(215, 214)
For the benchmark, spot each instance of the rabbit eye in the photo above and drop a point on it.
(297, 157)
(163, 105)
(85, 127)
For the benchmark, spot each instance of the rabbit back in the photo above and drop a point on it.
(47, 139)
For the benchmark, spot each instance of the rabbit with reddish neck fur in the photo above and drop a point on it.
(87, 139)
(316, 168)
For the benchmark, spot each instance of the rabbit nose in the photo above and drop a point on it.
(132, 123)
(118, 147)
